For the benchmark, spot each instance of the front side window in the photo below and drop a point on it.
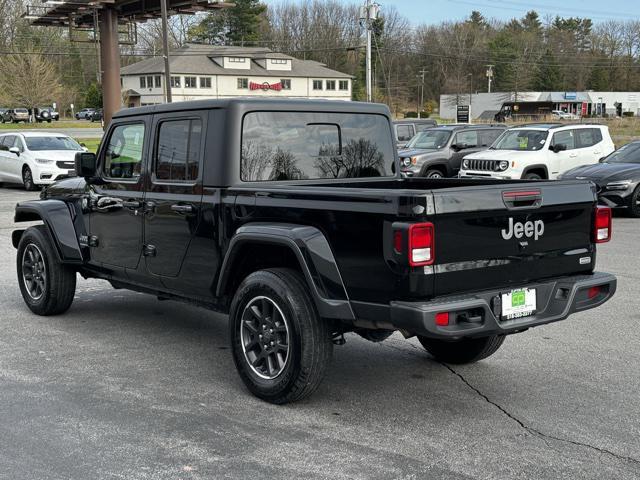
(331, 84)
(317, 84)
(629, 153)
(178, 150)
(405, 132)
(243, 83)
(279, 146)
(566, 138)
(286, 83)
(123, 155)
(190, 82)
(175, 82)
(343, 85)
(529, 140)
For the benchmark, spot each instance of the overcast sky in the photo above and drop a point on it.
(435, 11)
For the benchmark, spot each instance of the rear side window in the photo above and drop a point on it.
(469, 139)
(587, 137)
(566, 138)
(307, 146)
(123, 155)
(178, 150)
(404, 132)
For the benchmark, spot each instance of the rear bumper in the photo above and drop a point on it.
(556, 300)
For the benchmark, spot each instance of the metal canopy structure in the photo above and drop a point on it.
(106, 18)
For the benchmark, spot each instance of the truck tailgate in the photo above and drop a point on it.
(503, 235)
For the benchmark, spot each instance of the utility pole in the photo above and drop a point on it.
(368, 13)
(423, 71)
(165, 51)
(489, 76)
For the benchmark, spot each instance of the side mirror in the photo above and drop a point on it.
(15, 150)
(560, 147)
(82, 145)
(85, 164)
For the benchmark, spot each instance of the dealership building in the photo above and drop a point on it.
(207, 71)
(539, 104)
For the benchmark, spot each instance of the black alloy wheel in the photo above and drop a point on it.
(34, 271)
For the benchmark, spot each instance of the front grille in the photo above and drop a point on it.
(65, 165)
(484, 165)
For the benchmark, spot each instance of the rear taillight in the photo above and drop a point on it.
(602, 224)
(421, 240)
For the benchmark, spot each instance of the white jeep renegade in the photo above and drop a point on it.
(539, 151)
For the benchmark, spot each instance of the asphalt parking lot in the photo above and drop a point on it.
(125, 386)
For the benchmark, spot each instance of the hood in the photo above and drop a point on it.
(65, 155)
(501, 154)
(416, 152)
(605, 172)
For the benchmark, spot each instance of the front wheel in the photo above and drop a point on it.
(27, 180)
(281, 346)
(468, 350)
(47, 286)
(433, 173)
(634, 203)
(532, 176)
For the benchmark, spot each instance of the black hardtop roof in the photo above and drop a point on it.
(244, 103)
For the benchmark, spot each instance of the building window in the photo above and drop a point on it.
(343, 85)
(237, 60)
(279, 61)
(175, 82)
(150, 81)
(317, 84)
(158, 83)
(331, 84)
(190, 82)
(205, 82)
(143, 82)
(243, 83)
(286, 83)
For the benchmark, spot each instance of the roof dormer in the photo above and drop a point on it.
(274, 61)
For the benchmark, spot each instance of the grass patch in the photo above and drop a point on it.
(53, 125)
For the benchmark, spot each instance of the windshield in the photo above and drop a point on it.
(629, 153)
(51, 143)
(430, 139)
(521, 140)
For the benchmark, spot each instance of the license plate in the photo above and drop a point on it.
(518, 303)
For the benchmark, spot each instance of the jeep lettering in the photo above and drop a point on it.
(529, 229)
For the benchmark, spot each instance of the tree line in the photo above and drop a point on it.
(528, 53)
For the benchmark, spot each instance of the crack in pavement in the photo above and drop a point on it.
(524, 426)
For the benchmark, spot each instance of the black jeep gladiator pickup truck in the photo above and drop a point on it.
(292, 217)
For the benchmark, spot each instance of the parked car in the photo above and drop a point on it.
(42, 115)
(405, 130)
(617, 177)
(15, 115)
(438, 152)
(53, 114)
(540, 151)
(84, 114)
(96, 115)
(2, 110)
(265, 221)
(36, 158)
(562, 115)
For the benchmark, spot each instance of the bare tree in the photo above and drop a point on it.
(29, 80)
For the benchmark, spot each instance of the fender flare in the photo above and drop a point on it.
(311, 249)
(57, 218)
(540, 166)
(440, 162)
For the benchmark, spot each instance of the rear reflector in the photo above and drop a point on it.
(593, 292)
(397, 242)
(421, 239)
(602, 224)
(442, 319)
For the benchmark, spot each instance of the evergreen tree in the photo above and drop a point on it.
(234, 26)
(548, 77)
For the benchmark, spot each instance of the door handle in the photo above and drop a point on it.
(573, 155)
(131, 204)
(182, 208)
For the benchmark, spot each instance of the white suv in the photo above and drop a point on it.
(539, 151)
(37, 158)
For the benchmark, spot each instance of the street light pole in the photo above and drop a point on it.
(489, 77)
(368, 13)
(165, 51)
(421, 76)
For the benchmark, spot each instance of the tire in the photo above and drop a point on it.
(52, 291)
(278, 375)
(532, 176)
(634, 203)
(433, 173)
(468, 350)
(27, 180)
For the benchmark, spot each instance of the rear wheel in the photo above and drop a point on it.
(281, 347)
(468, 350)
(47, 286)
(634, 203)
